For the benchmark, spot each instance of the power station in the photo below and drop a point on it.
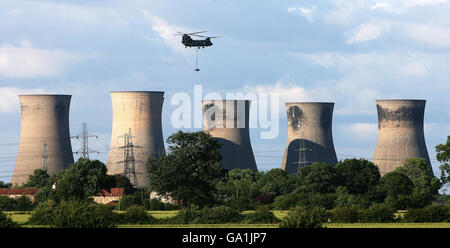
(228, 122)
(400, 133)
(310, 137)
(136, 133)
(44, 136)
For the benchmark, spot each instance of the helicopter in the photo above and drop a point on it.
(187, 40)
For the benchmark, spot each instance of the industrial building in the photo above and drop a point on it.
(228, 122)
(136, 133)
(310, 137)
(44, 136)
(400, 133)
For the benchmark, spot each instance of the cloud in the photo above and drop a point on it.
(9, 102)
(359, 131)
(307, 13)
(27, 62)
(365, 32)
(431, 35)
(166, 32)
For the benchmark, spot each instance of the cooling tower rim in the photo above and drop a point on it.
(44, 95)
(401, 100)
(138, 91)
(309, 103)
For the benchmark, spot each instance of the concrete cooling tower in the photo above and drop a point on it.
(400, 133)
(228, 122)
(310, 137)
(44, 136)
(136, 133)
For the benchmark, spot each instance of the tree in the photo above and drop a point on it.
(426, 185)
(79, 182)
(317, 178)
(398, 189)
(237, 188)
(275, 182)
(357, 175)
(5, 185)
(443, 156)
(190, 171)
(122, 181)
(39, 179)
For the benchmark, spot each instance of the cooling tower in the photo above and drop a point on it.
(44, 136)
(138, 113)
(310, 138)
(400, 133)
(228, 122)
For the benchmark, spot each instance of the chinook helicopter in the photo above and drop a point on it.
(187, 40)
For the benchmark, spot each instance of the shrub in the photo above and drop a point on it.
(415, 215)
(264, 199)
(83, 215)
(43, 214)
(215, 215)
(379, 213)
(6, 203)
(302, 217)
(23, 203)
(284, 202)
(156, 204)
(6, 222)
(219, 215)
(261, 215)
(346, 215)
(438, 213)
(137, 215)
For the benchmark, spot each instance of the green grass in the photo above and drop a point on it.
(22, 218)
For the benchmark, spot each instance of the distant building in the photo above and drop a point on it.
(16, 193)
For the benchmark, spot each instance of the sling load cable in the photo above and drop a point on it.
(196, 60)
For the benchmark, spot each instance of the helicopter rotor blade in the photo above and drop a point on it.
(215, 37)
(197, 32)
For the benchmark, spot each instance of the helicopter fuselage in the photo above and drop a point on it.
(189, 42)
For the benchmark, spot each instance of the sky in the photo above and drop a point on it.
(343, 51)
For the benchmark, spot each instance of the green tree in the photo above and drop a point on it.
(443, 156)
(190, 170)
(357, 175)
(5, 185)
(317, 178)
(275, 182)
(398, 189)
(426, 185)
(237, 188)
(122, 181)
(39, 179)
(79, 182)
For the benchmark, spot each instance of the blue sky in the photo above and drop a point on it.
(347, 52)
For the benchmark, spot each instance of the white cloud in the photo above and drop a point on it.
(307, 13)
(9, 102)
(359, 131)
(365, 32)
(28, 62)
(166, 32)
(431, 35)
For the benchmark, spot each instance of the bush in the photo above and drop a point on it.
(137, 215)
(23, 203)
(215, 215)
(302, 217)
(6, 203)
(219, 215)
(346, 215)
(415, 215)
(83, 215)
(379, 213)
(285, 202)
(6, 222)
(43, 214)
(438, 213)
(261, 215)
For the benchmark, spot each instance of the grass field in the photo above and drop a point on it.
(22, 218)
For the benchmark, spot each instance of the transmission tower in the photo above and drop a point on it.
(84, 136)
(129, 169)
(45, 156)
(302, 159)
